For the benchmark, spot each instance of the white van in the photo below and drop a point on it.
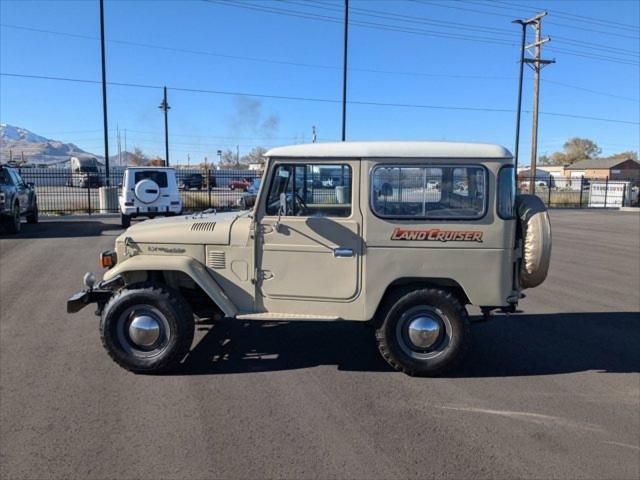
(149, 192)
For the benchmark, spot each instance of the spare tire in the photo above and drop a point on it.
(147, 191)
(535, 231)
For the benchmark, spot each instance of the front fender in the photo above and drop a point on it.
(177, 263)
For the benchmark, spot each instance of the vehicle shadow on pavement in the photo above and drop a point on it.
(63, 229)
(514, 345)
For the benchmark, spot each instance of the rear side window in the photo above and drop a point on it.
(438, 192)
(159, 177)
(506, 193)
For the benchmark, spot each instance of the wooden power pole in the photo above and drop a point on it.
(537, 64)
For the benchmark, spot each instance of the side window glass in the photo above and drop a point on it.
(428, 192)
(506, 193)
(312, 190)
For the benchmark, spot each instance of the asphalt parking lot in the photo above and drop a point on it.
(553, 392)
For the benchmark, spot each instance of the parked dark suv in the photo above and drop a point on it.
(17, 199)
(193, 180)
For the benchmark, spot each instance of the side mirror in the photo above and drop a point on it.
(31, 184)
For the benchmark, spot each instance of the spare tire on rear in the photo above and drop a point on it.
(147, 191)
(535, 231)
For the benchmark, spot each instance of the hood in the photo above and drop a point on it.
(200, 229)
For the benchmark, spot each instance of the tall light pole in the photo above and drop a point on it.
(344, 70)
(104, 95)
(164, 106)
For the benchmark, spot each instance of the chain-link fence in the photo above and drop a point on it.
(61, 191)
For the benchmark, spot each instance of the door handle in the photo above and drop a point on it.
(343, 252)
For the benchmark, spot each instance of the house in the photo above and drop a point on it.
(556, 171)
(603, 168)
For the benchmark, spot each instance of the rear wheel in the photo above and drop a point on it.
(424, 332)
(32, 216)
(147, 328)
(13, 225)
(125, 220)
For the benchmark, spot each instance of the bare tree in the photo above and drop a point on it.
(256, 155)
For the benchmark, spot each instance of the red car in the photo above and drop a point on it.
(239, 183)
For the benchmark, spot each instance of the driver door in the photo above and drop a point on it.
(309, 247)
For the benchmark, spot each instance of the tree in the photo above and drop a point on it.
(574, 150)
(138, 157)
(256, 155)
(630, 154)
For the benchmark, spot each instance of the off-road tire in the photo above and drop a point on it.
(179, 317)
(32, 216)
(13, 223)
(453, 313)
(125, 220)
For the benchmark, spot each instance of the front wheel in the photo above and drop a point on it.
(147, 328)
(32, 216)
(13, 224)
(424, 332)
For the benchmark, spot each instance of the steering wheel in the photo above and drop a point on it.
(301, 203)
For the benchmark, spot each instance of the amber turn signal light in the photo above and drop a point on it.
(108, 259)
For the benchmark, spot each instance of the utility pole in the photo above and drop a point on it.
(237, 156)
(314, 137)
(537, 64)
(119, 144)
(164, 106)
(344, 70)
(104, 95)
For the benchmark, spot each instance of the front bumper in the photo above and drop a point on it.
(79, 300)
(99, 295)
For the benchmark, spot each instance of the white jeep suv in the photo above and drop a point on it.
(149, 192)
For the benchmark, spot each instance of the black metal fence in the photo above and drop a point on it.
(582, 192)
(61, 191)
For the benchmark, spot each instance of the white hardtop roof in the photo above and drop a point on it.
(395, 149)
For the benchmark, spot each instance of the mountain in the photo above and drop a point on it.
(16, 142)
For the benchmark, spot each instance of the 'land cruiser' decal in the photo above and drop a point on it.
(436, 235)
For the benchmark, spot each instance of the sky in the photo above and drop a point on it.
(263, 72)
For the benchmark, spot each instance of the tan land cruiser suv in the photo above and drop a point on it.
(404, 235)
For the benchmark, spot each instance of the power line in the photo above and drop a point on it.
(313, 65)
(395, 28)
(360, 23)
(576, 17)
(456, 25)
(484, 12)
(320, 100)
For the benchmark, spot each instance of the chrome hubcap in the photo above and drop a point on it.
(144, 330)
(424, 331)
